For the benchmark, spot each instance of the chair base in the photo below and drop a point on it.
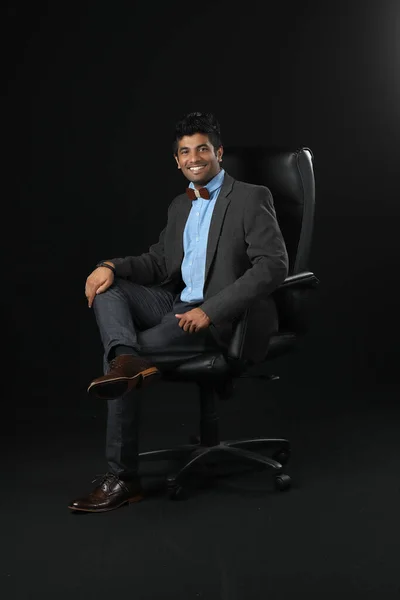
(208, 446)
(196, 455)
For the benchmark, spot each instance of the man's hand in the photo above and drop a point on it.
(194, 320)
(98, 281)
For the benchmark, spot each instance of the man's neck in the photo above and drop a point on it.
(197, 186)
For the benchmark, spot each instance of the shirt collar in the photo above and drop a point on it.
(215, 183)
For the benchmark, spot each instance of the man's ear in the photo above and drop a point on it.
(220, 152)
(177, 161)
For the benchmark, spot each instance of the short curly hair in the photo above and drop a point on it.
(197, 122)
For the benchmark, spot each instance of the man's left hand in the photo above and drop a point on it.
(194, 320)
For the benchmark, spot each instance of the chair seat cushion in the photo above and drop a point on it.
(215, 366)
(210, 366)
(281, 343)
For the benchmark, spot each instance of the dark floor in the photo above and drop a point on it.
(334, 534)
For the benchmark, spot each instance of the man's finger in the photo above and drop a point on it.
(91, 294)
(182, 321)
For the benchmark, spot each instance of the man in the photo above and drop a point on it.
(220, 253)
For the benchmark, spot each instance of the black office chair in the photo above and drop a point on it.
(290, 177)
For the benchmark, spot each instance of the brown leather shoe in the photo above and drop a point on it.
(126, 372)
(111, 493)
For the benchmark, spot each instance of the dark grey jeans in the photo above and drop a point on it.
(144, 318)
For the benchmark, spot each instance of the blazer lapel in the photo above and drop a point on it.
(217, 220)
(179, 227)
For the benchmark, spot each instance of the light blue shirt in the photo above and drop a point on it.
(195, 236)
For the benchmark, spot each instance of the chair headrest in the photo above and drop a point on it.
(281, 170)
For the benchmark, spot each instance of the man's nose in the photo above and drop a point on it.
(193, 157)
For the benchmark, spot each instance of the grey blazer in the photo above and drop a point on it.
(246, 261)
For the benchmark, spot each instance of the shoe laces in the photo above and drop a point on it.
(113, 365)
(106, 478)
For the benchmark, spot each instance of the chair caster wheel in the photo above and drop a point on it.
(282, 482)
(178, 493)
(176, 490)
(282, 456)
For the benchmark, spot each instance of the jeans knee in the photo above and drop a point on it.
(114, 291)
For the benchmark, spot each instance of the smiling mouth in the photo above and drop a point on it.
(196, 169)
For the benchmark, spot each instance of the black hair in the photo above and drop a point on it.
(197, 122)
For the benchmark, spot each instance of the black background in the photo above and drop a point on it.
(94, 91)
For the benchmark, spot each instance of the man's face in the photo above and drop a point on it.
(198, 159)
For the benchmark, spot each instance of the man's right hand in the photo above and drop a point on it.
(98, 281)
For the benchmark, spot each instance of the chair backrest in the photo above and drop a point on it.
(289, 174)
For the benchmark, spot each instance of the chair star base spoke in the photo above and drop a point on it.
(255, 443)
(280, 446)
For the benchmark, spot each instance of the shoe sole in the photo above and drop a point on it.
(132, 500)
(114, 388)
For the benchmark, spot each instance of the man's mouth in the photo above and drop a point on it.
(196, 169)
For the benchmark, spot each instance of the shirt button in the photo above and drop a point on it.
(197, 239)
(197, 214)
(190, 264)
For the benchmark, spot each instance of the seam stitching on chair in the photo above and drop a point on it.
(302, 233)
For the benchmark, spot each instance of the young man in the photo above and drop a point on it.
(220, 253)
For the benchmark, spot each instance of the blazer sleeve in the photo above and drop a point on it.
(148, 268)
(267, 253)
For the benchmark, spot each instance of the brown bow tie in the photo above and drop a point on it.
(201, 193)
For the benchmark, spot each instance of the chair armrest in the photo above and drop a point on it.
(304, 279)
(235, 349)
(291, 299)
